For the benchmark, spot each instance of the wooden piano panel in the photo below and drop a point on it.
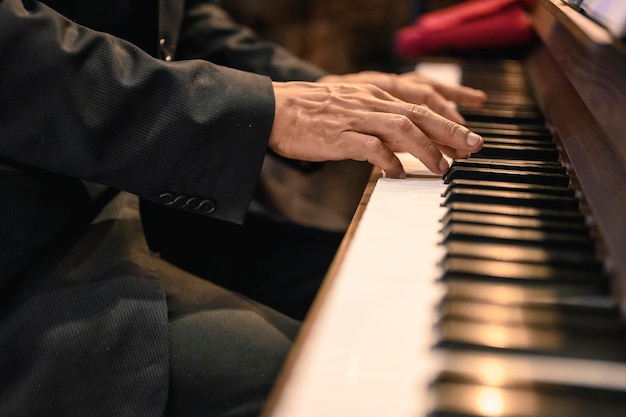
(580, 77)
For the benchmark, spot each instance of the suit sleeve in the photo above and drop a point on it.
(87, 105)
(209, 33)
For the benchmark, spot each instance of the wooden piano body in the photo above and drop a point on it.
(396, 332)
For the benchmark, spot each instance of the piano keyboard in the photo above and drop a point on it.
(520, 271)
(489, 302)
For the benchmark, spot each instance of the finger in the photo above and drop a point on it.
(459, 94)
(453, 153)
(425, 94)
(428, 95)
(399, 132)
(443, 131)
(364, 147)
(447, 109)
(462, 95)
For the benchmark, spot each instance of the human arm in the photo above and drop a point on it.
(209, 33)
(87, 105)
(317, 121)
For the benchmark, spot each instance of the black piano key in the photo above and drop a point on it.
(516, 253)
(494, 270)
(500, 100)
(502, 151)
(508, 186)
(507, 175)
(535, 292)
(546, 143)
(503, 99)
(471, 207)
(486, 129)
(563, 225)
(511, 90)
(553, 202)
(497, 99)
(479, 68)
(524, 237)
(468, 335)
(516, 165)
(500, 114)
(519, 142)
(508, 79)
(456, 395)
(513, 83)
(575, 317)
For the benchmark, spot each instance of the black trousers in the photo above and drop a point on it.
(279, 264)
(226, 350)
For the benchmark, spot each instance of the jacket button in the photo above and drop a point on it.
(206, 206)
(179, 201)
(192, 203)
(167, 199)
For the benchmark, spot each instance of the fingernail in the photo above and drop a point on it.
(473, 139)
(443, 165)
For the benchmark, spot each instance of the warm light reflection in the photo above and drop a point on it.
(490, 402)
(492, 373)
(497, 336)
(508, 294)
(521, 338)
(518, 315)
(513, 253)
(503, 294)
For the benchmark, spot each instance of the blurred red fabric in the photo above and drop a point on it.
(475, 24)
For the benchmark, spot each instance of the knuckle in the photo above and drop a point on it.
(404, 124)
(426, 117)
(371, 87)
(449, 129)
(429, 94)
(372, 144)
(419, 111)
(429, 91)
(368, 147)
(454, 129)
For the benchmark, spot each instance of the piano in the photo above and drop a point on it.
(500, 289)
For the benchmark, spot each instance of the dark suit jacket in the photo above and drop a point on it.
(82, 316)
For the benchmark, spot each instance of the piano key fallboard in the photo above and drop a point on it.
(485, 293)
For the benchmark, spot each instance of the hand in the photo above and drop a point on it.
(414, 87)
(328, 121)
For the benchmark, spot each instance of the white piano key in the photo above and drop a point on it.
(364, 354)
(446, 72)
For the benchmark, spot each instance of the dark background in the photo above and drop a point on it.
(340, 36)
